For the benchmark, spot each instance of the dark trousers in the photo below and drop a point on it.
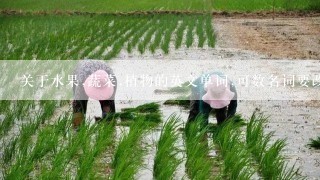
(200, 108)
(81, 105)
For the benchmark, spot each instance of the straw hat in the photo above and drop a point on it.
(98, 86)
(218, 93)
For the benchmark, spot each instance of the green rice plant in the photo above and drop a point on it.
(189, 36)
(128, 155)
(26, 131)
(46, 142)
(102, 140)
(271, 163)
(142, 45)
(135, 39)
(68, 149)
(144, 108)
(4, 105)
(9, 151)
(119, 43)
(198, 164)
(200, 32)
(153, 117)
(166, 161)
(255, 138)
(48, 108)
(315, 143)
(179, 33)
(236, 158)
(167, 34)
(7, 123)
(209, 32)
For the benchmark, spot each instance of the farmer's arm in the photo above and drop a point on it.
(232, 108)
(194, 110)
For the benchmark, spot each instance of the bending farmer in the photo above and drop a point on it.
(213, 91)
(97, 81)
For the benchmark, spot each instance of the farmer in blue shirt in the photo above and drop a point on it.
(213, 91)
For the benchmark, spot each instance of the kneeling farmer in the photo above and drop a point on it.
(213, 91)
(97, 81)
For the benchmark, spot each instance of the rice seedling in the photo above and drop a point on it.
(189, 36)
(103, 139)
(166, 161)
(4, 105)
(145, 108)
(167, 35)
(180, 32)
(119, 43)
(315, 143)
(7, 123)
(147, 38)
(209, 32)
(128, 155)
(9, 151)
(46, 142)
(271, 163)
(236, 158)
(200, 33)
(48, 108)
(198, 164)
(69, 149)
(135, 39)
(157, 40)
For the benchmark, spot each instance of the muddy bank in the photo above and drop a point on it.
(294, 38)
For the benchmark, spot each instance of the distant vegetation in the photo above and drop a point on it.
(156, 5)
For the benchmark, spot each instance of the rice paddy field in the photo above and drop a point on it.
(150, 139)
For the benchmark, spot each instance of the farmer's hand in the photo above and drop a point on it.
(77, 119)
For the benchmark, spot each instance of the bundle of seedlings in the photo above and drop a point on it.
(198, 164)
(183, 99)
(149, 113)
(236, 157)
(166, 160)
(127, 158)
(315, 143)
(271, 163)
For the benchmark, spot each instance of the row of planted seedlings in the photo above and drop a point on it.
(54, 150)
(251, 153)
(16, 145)
(99, 36)
(244, 151)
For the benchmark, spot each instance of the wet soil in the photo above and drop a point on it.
(294, 38)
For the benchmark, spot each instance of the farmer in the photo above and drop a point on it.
(97, 81)
(213, 91)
